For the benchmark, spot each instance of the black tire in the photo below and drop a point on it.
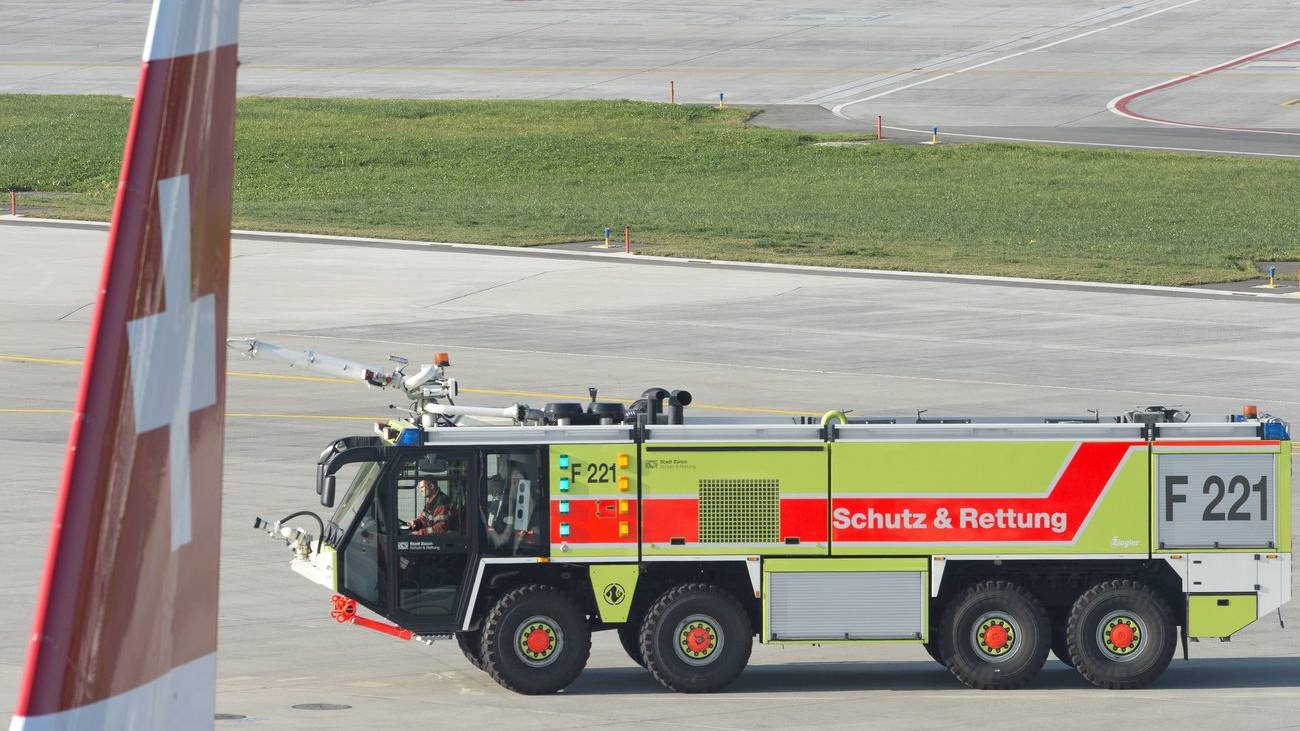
(994, 635)
(1060, 645)
(696, 638)
(629, 635)
(535, 640)
(471, 643)
(932, 649)
(1121, 635)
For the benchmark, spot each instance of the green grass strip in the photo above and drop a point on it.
(692, 181)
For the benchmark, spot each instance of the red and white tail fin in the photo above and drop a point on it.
(126, 623)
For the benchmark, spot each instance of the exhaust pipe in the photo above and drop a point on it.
(678, 400)
(654, 404)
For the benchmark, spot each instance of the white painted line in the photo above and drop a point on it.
(838, 109)
(1119, 105)
(1072, 143)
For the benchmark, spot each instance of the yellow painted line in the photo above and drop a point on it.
(319, 417)
(281, 377)
(34, 411)
(484, 391)
(33, 359)
(235, 414)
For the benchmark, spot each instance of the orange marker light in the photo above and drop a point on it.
(622, 507)
(622, 529)
(442, 359)
(1250, 411)
(623, 461)
(622, 484)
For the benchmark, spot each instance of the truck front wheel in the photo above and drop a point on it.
(629, 636)
(471, 643)
(994, 636)
(696, 638)
(535, 640)
(1121, 635)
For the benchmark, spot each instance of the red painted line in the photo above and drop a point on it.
(1119, 105)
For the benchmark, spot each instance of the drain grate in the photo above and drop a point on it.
(322, 707)
(228, 717)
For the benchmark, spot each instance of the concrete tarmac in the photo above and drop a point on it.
(993, 70)
(539, 328)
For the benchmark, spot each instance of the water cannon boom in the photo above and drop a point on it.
(311, 360)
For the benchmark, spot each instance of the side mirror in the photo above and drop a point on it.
(327, 494)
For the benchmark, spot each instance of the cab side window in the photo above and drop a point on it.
(431, 496)
(513, 507)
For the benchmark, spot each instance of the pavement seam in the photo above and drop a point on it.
(653, 260)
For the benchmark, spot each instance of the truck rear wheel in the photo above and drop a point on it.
(1060, 638)
(1121, 635)
(471, 643)
(535, 640)
(629, 635)
(932, 649)
(994, 636)
(696, 638)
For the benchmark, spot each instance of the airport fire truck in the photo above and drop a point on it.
(1107, 541)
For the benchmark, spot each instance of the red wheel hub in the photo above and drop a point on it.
(538, 641)
(995, 637)
(698, 640)
(1121, 636)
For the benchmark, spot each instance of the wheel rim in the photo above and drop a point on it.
(1121, 635)
(539, 641)
(995, 636)
(698, 639)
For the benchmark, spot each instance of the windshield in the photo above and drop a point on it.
(363, 475)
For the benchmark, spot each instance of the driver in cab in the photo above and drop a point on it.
(439, 515)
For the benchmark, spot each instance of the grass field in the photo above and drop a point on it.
(692, 181)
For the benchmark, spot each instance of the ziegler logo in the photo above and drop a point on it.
(614, 593)
(1117, 542)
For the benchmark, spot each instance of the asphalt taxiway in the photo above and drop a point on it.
(1057, 72)
(539, 328)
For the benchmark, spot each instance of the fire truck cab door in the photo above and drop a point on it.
(431, 494)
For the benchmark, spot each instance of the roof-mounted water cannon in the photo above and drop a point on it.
(426, 388)
(312, 360)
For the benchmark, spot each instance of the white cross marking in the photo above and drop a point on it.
(173, 354)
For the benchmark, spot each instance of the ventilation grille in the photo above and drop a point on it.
(740, 511)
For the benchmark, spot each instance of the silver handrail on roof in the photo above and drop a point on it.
(474, 435)
(1208, 430)
(894, 432)
(734, 433)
